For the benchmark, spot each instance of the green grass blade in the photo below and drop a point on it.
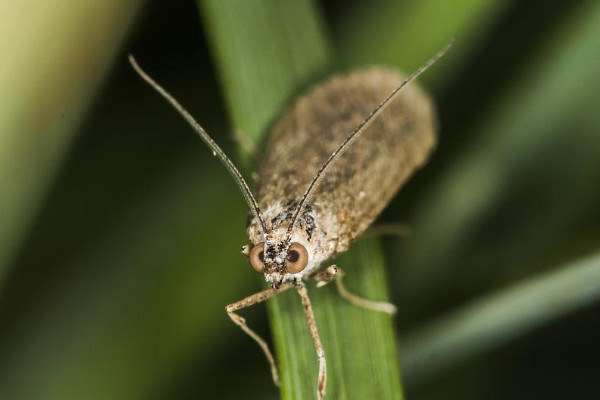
(266, 52)
(539, 141)
(500, 317)
(51, 68)
(406, 33)
(143, 303)
(359, 344)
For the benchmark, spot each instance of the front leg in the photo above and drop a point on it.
(241, 322)
(335, 273)
(314, 333)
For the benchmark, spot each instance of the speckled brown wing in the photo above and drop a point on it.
(365, 178)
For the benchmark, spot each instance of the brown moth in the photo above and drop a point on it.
(332, 164)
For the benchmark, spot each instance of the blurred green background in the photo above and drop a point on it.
(120, 233)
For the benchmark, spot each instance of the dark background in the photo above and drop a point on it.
(104, 298)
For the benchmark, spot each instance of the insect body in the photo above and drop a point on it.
(332, 164)
(360, 183)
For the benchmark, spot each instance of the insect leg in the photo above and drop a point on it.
(333, 272)
(241, 322)
(312, 325)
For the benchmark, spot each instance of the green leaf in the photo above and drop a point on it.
(533, 162)
(267, 51)
(144, 302)
(407, 33)
(496, 319)
(50, 71)
(359, 344)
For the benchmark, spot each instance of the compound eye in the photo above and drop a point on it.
(257, 257)
(297, 258)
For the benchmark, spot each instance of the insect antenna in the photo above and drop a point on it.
(239, 179)
(314, 184)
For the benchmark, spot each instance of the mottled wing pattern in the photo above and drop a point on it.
(370, 172)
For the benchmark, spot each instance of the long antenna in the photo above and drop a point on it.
(239, 179)
(310, 191)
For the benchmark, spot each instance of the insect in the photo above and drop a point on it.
(332, 164)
